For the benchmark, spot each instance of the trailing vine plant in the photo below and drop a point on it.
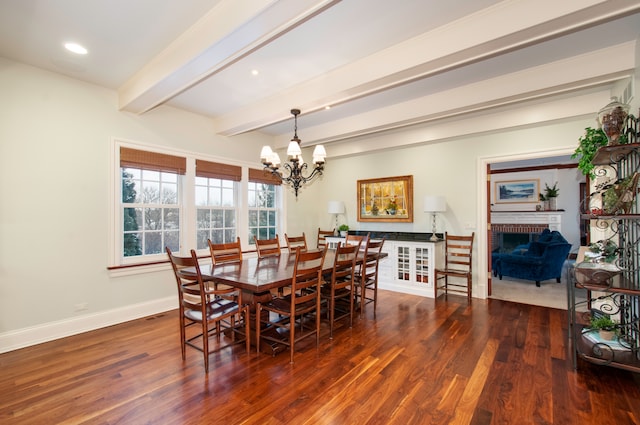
(590, 142)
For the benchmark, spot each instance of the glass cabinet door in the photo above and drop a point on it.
(403, 263)
(422, 265)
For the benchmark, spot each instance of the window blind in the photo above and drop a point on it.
(262, 176)
(216, 170)
(152, 161)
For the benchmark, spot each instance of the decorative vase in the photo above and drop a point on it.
(552, 204)
(612, 118)
(343, 233)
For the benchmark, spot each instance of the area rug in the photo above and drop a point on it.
(549, 294)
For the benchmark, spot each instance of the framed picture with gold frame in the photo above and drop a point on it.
(386, 199)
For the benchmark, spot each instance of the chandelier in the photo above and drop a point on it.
(296, 165)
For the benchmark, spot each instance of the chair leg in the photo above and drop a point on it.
(247, 329)
(332, 313)
(183, 337)
(205, 345)
(318, 321)
(375, 297)
(292, 336)
(258, 325)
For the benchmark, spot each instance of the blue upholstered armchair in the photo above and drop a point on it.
(540, 261)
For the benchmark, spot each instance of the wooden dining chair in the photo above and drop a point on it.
(229, 252)
(267, 247)
(339, 290)
(458, 265)
(366, 279)
(357, 239)
(291, 313)
(322, 235)
(207, 309)
(294, 242)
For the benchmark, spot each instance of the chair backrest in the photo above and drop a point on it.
(229, 252)
(267, 247)
(294, 242)
(362, 240)
(369, 269)
(344, 265)
(322, 234)
(307, 276)
(458, 252)
(191, 293)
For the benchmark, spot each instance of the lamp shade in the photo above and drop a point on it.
(335, 207)
(435, 204)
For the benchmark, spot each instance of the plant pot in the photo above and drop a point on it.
(607, 335)
(553, 206)
(343, 233)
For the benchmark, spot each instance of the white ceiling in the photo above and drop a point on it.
(379, 64)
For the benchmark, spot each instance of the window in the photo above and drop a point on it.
(150, 210)
(263, 218)
(179, 201)
(150, 202)
(216, 202)
(216, 211)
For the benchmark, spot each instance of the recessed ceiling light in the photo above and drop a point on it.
(327, 107)
(254, 72)
(75, 48)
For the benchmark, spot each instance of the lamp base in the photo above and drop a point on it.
(434, 237)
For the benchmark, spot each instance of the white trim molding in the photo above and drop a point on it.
(33, 335)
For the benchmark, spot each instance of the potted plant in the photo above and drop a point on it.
(343, 229)
(589, 144)
(543, 200)
(605, 327)
(550, 195)
(604, 250)
(392, 206)
(619, 197)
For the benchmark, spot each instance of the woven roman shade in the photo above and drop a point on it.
(262, 176)
(152, 161)
(216, 170)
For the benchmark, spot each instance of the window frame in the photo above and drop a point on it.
(120, 265)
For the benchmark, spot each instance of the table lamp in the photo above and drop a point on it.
(335, 207)
(434, 205)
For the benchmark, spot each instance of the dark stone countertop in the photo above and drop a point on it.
(397, 236)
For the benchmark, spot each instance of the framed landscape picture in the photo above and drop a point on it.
(517, 191)
(386, 199)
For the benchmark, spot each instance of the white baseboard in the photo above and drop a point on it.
(407, 289)
(33, 335)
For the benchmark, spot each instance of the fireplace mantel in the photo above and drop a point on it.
(551, 218)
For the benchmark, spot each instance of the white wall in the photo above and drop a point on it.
(55, 138)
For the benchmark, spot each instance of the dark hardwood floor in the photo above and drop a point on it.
(421, 361)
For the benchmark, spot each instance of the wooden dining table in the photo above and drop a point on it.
(257, 277)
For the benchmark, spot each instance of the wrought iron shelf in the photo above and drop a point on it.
(614, 290)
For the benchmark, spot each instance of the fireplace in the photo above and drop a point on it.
(512, 228)
(505, 237)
